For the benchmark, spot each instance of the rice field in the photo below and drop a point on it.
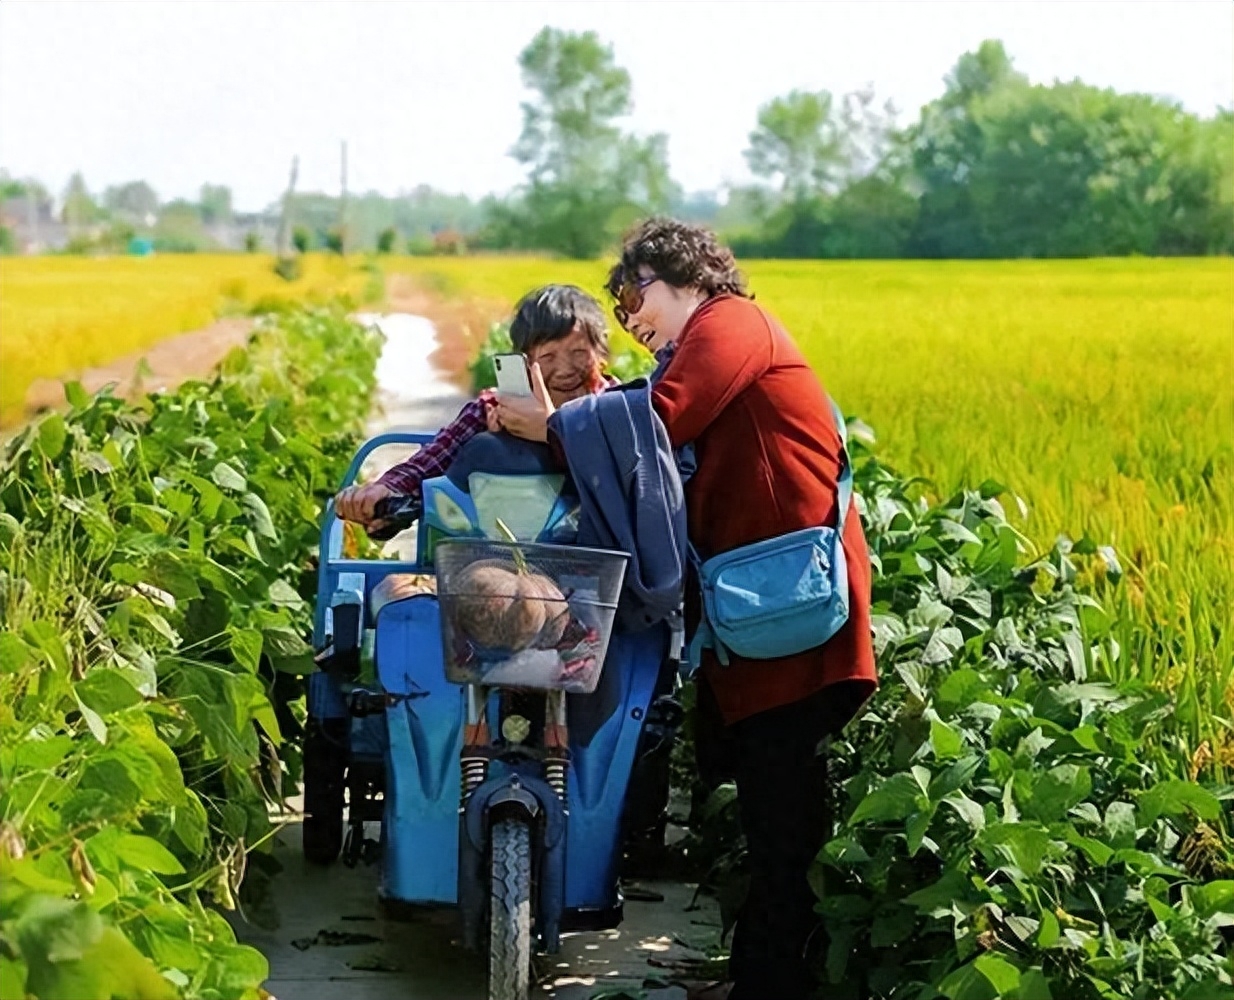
(1102, 392)
(59, 315)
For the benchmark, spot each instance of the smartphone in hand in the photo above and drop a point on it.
(512, 376)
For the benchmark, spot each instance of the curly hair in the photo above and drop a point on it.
(681, 254)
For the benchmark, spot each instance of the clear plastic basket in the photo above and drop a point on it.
(526, 615)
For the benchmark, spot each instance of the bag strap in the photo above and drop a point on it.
(844, 493)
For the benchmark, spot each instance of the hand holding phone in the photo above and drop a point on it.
(512, 377)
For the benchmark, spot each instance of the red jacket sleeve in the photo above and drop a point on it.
(725, 346)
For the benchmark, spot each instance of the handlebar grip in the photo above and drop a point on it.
(399, 513)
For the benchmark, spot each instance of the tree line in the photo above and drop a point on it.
(996, 166)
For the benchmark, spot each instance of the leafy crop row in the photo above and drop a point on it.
(1017, 824)
(150, 562)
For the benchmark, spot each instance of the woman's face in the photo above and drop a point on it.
(664, 311)
(569, 365)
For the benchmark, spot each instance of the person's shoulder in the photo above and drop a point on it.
(727, 314)
(727, 308)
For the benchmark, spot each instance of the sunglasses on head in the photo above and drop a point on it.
(630, 298)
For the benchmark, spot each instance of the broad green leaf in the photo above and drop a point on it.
(956, 532)
(281, 641)
(12, 977)
(61, 930)
(946, 742)
(970, 811)
(113, 967)
(1096, 851)
(967, 983)
(895, 798)
(1213, 898)
(960, 688)
(94, 721)
(52, 435)
(170, 572)
(210, 495)
(48, 874)
(1023, 846)
(1056, 791)
(76, 395)
(1120, 824)
(298, 666)
(14, 654)
(40, 754)
(917, 826)
(1177, 798)
(245, 646)
(1003, 976)
(44, 636)
(147, 854)
(106, 690)
(259, 516)
(1050, 931)
(954, 776)
(243, 970)
(1022, 927)
(283, 594)
(942, 645)
(228, 478)
(190, 823)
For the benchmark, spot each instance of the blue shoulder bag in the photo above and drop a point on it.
(779, 596)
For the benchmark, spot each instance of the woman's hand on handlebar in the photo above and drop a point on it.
(357, 503)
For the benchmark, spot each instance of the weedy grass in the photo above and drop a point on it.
(1099, 391)
(60, 315)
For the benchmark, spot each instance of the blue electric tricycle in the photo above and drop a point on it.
(492, 731)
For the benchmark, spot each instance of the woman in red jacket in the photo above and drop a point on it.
(768, 461)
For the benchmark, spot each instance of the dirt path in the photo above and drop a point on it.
(169, 362)
(461, 326)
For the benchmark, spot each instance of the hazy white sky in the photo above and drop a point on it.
(179, 92)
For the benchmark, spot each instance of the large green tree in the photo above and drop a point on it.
(1008, 169)
(945, 146)
(587, 179)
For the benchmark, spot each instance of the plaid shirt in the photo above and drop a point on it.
(434, 458)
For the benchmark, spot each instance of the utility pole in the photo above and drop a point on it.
(282, 247)
(342, 206)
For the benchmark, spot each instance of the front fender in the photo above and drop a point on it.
(534, 796)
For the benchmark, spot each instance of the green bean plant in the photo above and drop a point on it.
(154, 563)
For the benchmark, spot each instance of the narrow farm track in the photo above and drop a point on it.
(334, 941)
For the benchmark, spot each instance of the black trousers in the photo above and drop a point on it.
(780, 768)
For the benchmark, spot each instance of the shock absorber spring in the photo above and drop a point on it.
(555, 776)
(474, 771)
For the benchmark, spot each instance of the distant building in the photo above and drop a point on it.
(33, 224)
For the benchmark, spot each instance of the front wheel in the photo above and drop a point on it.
(509, 946)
